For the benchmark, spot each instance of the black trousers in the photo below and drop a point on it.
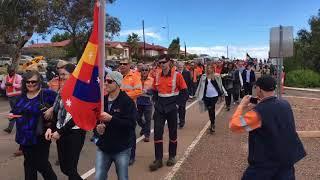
(145, 124)
(228, 98)
(69, 147)
(182, 113)
(247, 88)
(269, 173)
(210, 104)
(159, 121)
(236, 92)
(195, 86)
(36, 159)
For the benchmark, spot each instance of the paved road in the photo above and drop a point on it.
(12, 168)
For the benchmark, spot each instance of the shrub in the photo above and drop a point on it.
(303, 78)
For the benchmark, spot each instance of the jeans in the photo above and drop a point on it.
(104, 161)
(12, 102)
(145, 124)
(228, 98)
(36, 159)
(69, 148)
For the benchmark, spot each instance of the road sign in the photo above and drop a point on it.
(281, 42)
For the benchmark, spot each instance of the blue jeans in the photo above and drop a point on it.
(104, 161)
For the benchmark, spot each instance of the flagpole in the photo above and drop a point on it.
(101, 46)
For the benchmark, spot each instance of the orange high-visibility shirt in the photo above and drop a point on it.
(147, 85)
(131, 84)
(169, 85)
(244, 122)
(55, 84)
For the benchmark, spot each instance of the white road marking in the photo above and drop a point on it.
(302, 97)
(93, 170)
(302, 89)
(177, 166)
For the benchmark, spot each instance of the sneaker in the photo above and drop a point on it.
(131, 162)
(171, 161)
(146, 139)
(212, 129)
(155, 165)
(7, 130)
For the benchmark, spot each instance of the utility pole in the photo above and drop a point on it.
(185, 50)
(144, 39)
(227, 51)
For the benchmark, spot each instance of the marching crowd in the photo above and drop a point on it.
(137, 95)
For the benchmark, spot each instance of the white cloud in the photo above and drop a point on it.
(148, 33)
(234, 51)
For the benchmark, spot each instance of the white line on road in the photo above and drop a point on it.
(91, 171)
(177, 166)
(302, 89)
(302, 97)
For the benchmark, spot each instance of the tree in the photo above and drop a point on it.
(60, 37)
(133, 43)
(19, 20)
(75, 17)
(174, 48)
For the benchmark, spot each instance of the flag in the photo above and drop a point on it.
(249, 59)
(81, 92)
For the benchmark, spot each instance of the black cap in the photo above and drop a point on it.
(266, 83)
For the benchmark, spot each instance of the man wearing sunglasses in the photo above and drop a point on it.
(167, 86)
(131, 84)
(144, 103)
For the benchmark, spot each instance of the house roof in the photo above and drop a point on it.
(53, 44)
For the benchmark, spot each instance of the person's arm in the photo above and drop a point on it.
(17, 83)
(244, 122)
(137, 89)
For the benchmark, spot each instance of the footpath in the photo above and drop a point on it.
(223, 156)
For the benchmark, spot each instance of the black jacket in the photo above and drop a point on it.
(184, 95)
(187, 78)
(120, 131)
(252, 76)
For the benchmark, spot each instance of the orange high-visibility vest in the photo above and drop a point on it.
(169, 85)
(131, 84)
(147, 85)
(10, 90)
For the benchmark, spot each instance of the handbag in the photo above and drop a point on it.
(41, 125)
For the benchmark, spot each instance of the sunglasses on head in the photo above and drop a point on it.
(123, 64)
(31, 82)
(163, 62)
(109, 81)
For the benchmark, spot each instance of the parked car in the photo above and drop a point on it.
(5, 61)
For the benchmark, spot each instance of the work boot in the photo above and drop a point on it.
(18, 153)
(146, 139)
(171, 161)
(131, 162)
(7, 130)
(155, 165)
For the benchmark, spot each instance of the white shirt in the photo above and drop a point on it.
(248, 76)
(211, 90)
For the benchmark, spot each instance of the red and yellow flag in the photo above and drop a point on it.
(81, 92)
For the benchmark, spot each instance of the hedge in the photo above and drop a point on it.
(303, 78)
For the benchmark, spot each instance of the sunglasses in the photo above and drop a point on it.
(163, 62)
(109, 81)
(31, 82)
(145, 70)
(123, 64)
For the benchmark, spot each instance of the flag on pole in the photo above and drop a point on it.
(81, 93)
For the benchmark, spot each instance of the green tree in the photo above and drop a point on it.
(19, 20)
(174, 48)
(133, 43)
(75, 18)
(60, 37)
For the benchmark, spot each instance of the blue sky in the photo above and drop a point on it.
(208, 26)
